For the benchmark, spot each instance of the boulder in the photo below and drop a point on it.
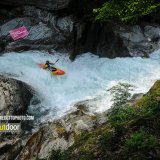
(14, 97)
(44, 33)
(136, 40)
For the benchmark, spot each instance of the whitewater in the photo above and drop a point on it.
(88, 77)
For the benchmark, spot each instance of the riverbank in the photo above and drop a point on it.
(130, 132)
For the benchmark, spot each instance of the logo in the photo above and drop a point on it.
(10, 127)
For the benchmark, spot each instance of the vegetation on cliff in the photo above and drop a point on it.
(126, 10)
(131, 132)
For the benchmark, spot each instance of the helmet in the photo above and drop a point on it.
(47, 62)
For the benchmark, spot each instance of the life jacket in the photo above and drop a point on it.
(46, 66)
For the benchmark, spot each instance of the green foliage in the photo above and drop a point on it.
(57, 155)
(121, 94)
(126, 10)
(107, 138)
(140, 143)
(119, 118)
(131, 132)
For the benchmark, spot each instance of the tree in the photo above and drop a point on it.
(126, 10)
(121, 94)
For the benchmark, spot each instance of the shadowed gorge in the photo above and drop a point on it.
(80, 80)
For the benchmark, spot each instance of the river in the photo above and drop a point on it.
(87, 77)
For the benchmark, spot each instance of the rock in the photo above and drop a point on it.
(99, 39)
(136, 40)
(136, 36)
(65, 24)
(10, 148)
(46, 31)
(59, 134)
(60, 23)
(68, 34)
(135, 98)
(53, 5)
(14, 100)
(38, 33)
(14, 97)
(109, 39)
(81, 125)
(152, 31)
(14, 23)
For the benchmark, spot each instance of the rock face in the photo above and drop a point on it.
(47, 4)
(14, 97)
(116, 40)
(46, 31)
(14, 100)
(140, 41)
(59, 134)
(99, 39)
(71, 34)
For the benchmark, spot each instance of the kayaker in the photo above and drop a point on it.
(48, 66)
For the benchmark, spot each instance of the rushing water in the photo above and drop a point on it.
(87, 77)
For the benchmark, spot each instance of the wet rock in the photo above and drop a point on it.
(65, 24)
(136, 35)
(68, 34)
(14, 100)
(2, 45)
(153, 35)
(14, 97)
(137, 41)
(99, 39)
(39, 33)
(152, 31)
(109, 39)
(46, 32)
(59, 134)
(14, 23)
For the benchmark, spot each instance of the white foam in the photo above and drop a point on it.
(87, 77)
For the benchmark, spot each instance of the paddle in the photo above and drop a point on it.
(55, 61)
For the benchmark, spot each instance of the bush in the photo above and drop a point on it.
(57, 155)
(121, 94)
(126, 10)
(140, 143)
(131, 132)
(122, 116)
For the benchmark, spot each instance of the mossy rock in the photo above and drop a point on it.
(131, 133)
